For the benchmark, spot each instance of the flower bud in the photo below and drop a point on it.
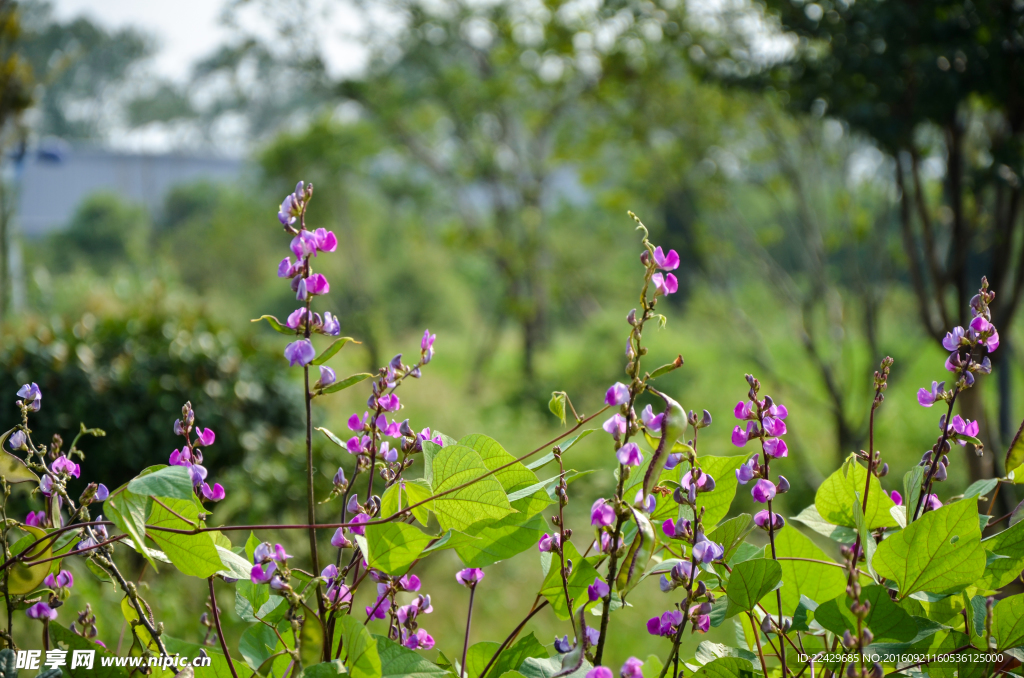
(645, 258)
(631, 317)
(701, 589)
(867, 636)
(782, 486)
(705, 420)
(884, 471)
(766, 626)
(940, 473)
(709, 484)
(847, 639)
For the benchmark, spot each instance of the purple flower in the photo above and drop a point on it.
(618, 394)
(953, 339)
(672, 460)
(63, 580)
(665, 284)
(740, 436)
(562, 645)
(676, 530)
(296, 318)
(332, 326)
(357, 424)
(198, 474)
(409, 582)
(206, 436)
(778, 411)
(705, 550)
(317, 284)
(763, 491)
(630, 455)
(548, 541)
(32, 396)
(35, 518)
(300, 352)
(389, 402)
(262, 573)
(427, 346)
(744, 410)
(101, 493)
(303, 244)
(774, 427)
(964, 427)
(325, 240)
(592, 635)
(761, 520)
(388, 453)
(327, 376)
(17, 440)
(651, 420)
(46, 485)
(41, 611)
(776, 447)
(666, 625)
(600, 672)
(358, 520)
(616, 425)
(286, 269)
(378, 610)
(339, 540)
(932, 502)
(420, 640)
(215, 493)
(705, 482)
(471, 576)
(896, 497)
(597, 590)
(701, 622)
(666, 262)
(648, 503)
(926, 398)
(633, 668)
(601, 514)
(65, 466)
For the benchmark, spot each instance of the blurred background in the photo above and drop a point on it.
(836, 177)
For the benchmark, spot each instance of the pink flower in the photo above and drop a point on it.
(600, 672)
(964, 427)
(774, 427)
(896, 498)
(548, 542)
(741, 436)
(776, 447)
(64, 465)
(471, 576)
(701, 622)
(927, 398)
(617, 395)
(357, 527)
(303, 244)
(630, 455)
(633, 668)
(666, 262)
(389, 402)
(665, 284)
(420, 640)
(41, 611)
(339, 540)
(206, 436)
(763, 491)
(601, 514)
(216, 493)
(35, 518)
(651, 421)
(325, 240)
(932, 502)
(953, 339)
(743, 410)
(317, 284)
(616, 425)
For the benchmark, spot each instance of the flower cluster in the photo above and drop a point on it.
(269, 565)
(190, 455)
(632, 668)
(765, 422)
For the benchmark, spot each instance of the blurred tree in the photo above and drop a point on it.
(103, 233)
(935, 85)
(15, 97)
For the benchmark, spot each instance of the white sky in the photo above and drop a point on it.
(187, 30)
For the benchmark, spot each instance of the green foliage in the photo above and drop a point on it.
(359, 649)
(394, 546)
(751, 581)
(838, 494)
(456, 465)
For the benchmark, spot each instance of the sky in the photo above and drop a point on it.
(187, 30)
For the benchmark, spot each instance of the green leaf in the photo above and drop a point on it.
(501, 539)
(750, 582)
(1008, 622)
(557, 405)
(276, 324)
(360, 649)
(912, 490)
(347, 382)
(477, 657)
(258, 643)
(816, 581)
(23, 578)
(218, 664)
(812, 519)
(451, 539)
(13, 468)
(128, 512)
(940, 553)
(70, 641)
(835, 497)
(235, 566)
(715, 504)
(515, 478)
(708, 652)
(1015, 455)
(536, 667)
(249, 598)
(394, 546)
(731, 533)
(1002, 571)
(195, 555)
(726, 667)
(399, 662)
(324, 670)
(173, 482)
(886, 620)
(866, 540)
(331, 350)
(413, 492)
(582, 576)
(980, 488)
(514, 655)
(455, 465)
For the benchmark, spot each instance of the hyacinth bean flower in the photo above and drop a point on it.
(215, 493)
(932, 502)
(562, 645)
(357, 528)
(630, 455)
(744, 410)
(676, 530)
(763, 491)
(389, 402)
(548, 542)
(774, 427)
(327, 376)
(633, 668)
(761, 520)
(205, 436)
(262, 573)
(616, 426)
(740, 436)
(471, 576)
(63, 465)
(325, 240)
(706, 550)
(592, 635)
(665, 625)
(896, 497)
(35, 518)
(747, 472)
(927, 398)
(964, 427)
(339, 540)
(17, 440)
(597, 590)
(651, 420)
(409, 582)
(420, 640)
(618, 394)
(32, 396)
(701, 622)
(41, 611)
(600, 672)
(63, 580)
(665, 284)
(357, 424)
(666, 262)
(987, 331)
(300, 353)
(776, 448)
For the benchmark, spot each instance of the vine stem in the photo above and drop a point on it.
(469, 620)
(220, 632)
(512, 636)
(936, 457)
(771, 540)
